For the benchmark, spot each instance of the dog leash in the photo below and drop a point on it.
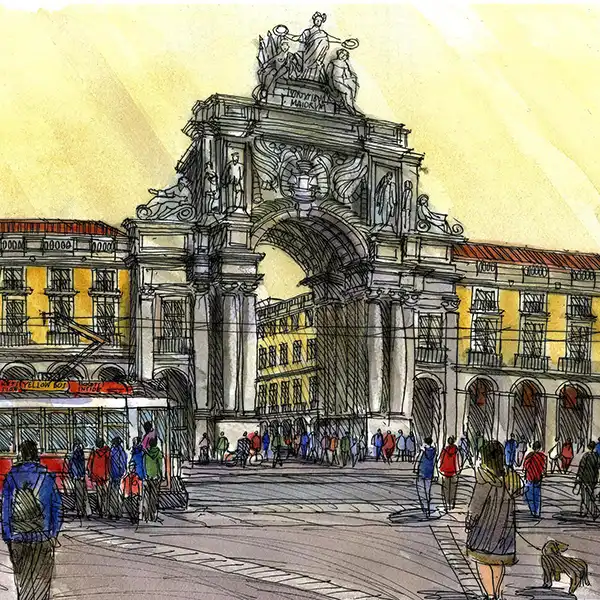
(528, 542)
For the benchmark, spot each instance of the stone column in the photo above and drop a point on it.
(375, 355)
(201, 346)
(454, 402)
(231, 342)
(408, 309)
(502, 424)
(551, 430)
(133, 429)
(146, 337)
(400, 370)
(249, 349)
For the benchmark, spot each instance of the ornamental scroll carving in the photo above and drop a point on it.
(170, 204)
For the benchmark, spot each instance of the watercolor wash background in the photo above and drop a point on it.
(503, 100)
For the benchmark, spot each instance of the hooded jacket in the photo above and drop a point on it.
(153, 463)
(449, 461)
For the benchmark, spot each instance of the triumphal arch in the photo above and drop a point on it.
(298, 166)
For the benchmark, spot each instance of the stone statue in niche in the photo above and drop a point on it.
(342, 80)
(407, 195)
(233, 180)
(170, 204)
(385, 199)
(211, 188)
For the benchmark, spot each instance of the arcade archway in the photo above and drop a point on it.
(427, 410)
(482, 409)
(528, 417)
(573, 415)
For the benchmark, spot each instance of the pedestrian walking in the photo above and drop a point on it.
(345, 449)
(149, 435)
(76, 470)
(597, 448)
(449, 467)
(534, 470)
(510, 452)
(153, 465)
(425, 470)
(389, 445)
(276, 449)
(325, 448)
(304, 443)
(554, 456)
(266, 440)
(490, 523)
(118, 468)
(255, 444)
(586, 481)
(411, 446)
(333, 449)
(99, 474)
(243, 449)
(377, 443)
(203, 447)
(354, 449)
(31, 521)
(521, 452)
(566, 455)
(137, 457)
(222, 447)
(465, 450)
(400, 446)
(131, 489)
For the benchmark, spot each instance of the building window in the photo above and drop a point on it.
(580, 307)
(283, 354)
(105, 280)
(311, 349)
(61, 307)
(308, 318)
(115, 424)
(86, 427)
(174, 319)
(313, 389)
(262, 358)
(57, 431)
(485, 300)
(533, 303)
(578, 342)
(29, 426)
(297, 391)
(7, 432)
(430, 331)
(534, 339)
(295, 318)
(271, 328)
(13, 278)
(285, 392)
(61, 280)
(261, 332)
(15, 318)
(283, 325)
(297, 351)
(105, 314)
(485, 335)
(273, 394)
(262, 395)
(272, 356)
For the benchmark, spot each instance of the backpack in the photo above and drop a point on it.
(27, 513)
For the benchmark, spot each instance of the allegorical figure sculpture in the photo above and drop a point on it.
(274, 63)
(385, 198)
(211, 188)
(426, 218)
(172, 203)
(343, 80)
(309, 61)
(233, 180)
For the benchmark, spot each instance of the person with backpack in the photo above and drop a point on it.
(118, 467)
(31, 521)
(153, 464)
(99, 473)
(76, 470)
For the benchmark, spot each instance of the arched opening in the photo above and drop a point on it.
(426, 410)
(180, 413)
(77, 374)
(574, 411)
(482, 409)
(300, 426)
(528, 412)
(17, 372)
(111, 373)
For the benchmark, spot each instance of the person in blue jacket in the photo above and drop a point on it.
(265, 443)
(31, 521)
(425, 469)
(510, 452)
(137, 457)
(118, 468)
(76, 464)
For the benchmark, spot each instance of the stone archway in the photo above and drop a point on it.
(427, 408)
(573, 415)
(528, 415)
(17, 371)
(481, 396)
(110, 373)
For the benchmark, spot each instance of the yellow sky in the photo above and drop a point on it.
(503, 100)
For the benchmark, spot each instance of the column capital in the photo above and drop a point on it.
(231, 288)
(147, 292)
(451, 303)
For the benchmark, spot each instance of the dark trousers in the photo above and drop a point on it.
(82, 505)
(533, 495)
(115, 499)
(132, 508)
(277, 457)
(588, 506)
(102, 492)
(151, 489)
(377, 452)
(449, 490)
(32, 564)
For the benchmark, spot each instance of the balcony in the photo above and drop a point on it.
(531, 363)
(168, 345)
(485, 306)
(273, 409)
(286, 407)
(62, 338)
(484, 359)
(533, 307)
(261, 409)
(22, 338)
(580, 311)
(435, 356)
(299, 407)
(577, 366)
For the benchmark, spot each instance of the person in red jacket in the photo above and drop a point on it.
(389, 445)
(449, 466)
(99, 474)
(534, 468)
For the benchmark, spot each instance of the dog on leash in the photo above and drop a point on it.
(554, 564)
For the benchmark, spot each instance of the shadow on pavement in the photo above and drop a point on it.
(542, 593)
(575, 517)
(411, 516)
(443, 595)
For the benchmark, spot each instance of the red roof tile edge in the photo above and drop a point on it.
(59, 227)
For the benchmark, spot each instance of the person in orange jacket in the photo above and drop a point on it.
(131, 488)
(99, 474)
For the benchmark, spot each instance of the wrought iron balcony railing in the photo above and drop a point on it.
(531, 363)
(479, 305)
(533, 307)
(580, 311)
(286, 407)
(577, 366)
(13, 338)
(166, 345)
(62, 338)
(431, 355)
(273, 408)
(484, 359)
